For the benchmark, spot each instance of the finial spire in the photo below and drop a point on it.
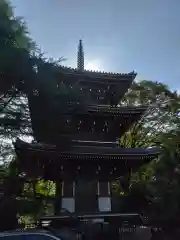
(80, 57)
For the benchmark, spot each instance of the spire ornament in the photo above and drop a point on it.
(80, 57)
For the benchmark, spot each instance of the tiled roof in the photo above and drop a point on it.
(95, 73)
(87, 149)
(120, 109)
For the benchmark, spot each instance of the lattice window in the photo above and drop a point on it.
(68, 121)
(106, 129)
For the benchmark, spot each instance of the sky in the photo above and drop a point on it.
(118, 35)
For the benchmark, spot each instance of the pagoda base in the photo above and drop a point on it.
(131, 218)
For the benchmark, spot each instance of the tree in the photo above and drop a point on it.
(15, 64)
(167, 177)
(157, 181)
(162, 113)
(15, 46)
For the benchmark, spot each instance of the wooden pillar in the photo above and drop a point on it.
(126, 180)
(58, 196)
(104, 196)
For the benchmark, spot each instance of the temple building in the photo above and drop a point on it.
(79, 150)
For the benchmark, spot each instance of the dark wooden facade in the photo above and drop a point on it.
(78, 147)
(90, 111)
(95, 123)
(81, 161)
(99, 87)
(84, 173)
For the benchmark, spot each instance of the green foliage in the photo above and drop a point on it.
(46, 188)
(29, 206)
(161, 117)
(15, 46)
(15, 65)
(156, 183)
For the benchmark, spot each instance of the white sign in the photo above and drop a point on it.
(69, 204)
(104, 204)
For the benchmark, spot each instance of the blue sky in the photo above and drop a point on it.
(118, 35)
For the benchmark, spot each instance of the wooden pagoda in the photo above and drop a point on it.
(79, 150)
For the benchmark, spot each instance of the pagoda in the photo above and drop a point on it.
(80, 151)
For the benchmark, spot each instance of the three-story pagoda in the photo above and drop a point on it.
(80, 151)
